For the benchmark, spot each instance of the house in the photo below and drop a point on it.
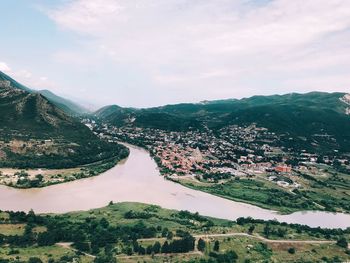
(283, 169)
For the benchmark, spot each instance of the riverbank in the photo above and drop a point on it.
(254, 196)
(329, 194)
(266, 195)
(41, 177)
(137, 179)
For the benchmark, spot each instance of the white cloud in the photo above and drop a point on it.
(182, 42)
(27, 78)
(337, 82)
(85, 16)
(4, 67)
(24, 74)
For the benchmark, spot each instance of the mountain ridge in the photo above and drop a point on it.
(66, 105)
(294, 114)
(36, 133)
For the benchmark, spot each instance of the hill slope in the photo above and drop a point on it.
(68, 106)
(306, 118)
(7, 81)
(36, 133)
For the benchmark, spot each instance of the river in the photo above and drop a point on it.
(137, 179)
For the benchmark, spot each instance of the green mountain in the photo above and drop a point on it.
(34, 132)
(303, 120)
(109, 112)
(144, 118)
(6, 80)
(66, 105)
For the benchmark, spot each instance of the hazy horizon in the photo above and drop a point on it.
(151, 53)
(94, 107)
(89, 105)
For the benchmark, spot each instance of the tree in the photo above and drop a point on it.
(142, 250)
(82, 246)
(342, 242)
(281, 232)
(251, 229)
(45, 239)
(136, 246)
(149, 250)
(156, 247)
(128, 250)
(104, 223)
(216, 245)
(165, 247)
(105, 258)
(40, 177)
(201, 245)
(267, 230)
(228, 257)
(165, 232)
(291, 250)
(170, 235)
(34, 260)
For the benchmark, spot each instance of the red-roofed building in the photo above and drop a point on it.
(283, 169)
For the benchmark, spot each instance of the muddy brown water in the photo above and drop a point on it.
(137, 179)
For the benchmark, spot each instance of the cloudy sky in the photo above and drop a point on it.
(152, 52)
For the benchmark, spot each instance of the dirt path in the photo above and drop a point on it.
(256, 236)
(68, 245)
(160, 255)
(266, 239)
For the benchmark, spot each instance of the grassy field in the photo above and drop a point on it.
(12, 229)
(167, 218)
(44, 253)
(255, 192)
(115, 214)
(255, 251)
(248, 239)
(330, 192)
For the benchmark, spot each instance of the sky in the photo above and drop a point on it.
(143, 53)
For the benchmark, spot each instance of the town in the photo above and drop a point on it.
(218, 156)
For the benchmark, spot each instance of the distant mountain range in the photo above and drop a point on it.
(66, 105)
(315, 120)
(38, 132)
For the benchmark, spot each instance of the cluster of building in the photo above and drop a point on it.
(231, 151)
